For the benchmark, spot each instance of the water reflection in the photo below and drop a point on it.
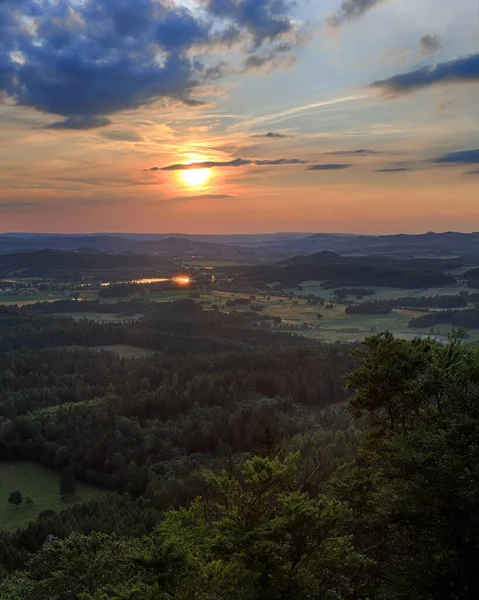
(180, 279)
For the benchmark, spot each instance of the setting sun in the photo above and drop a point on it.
(195, 177)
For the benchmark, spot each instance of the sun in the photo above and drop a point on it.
(195, 177)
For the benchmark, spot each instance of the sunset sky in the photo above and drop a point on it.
(311, 115)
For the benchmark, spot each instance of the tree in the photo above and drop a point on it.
(320, 317)
(259, 536)
(28, 500)
(414, 489)
(67, 484)
(15, 498)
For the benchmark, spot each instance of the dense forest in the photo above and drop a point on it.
(239, 462)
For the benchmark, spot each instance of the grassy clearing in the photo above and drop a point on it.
(24, 300)
(99, 317)
(123, 350)
(38, 482)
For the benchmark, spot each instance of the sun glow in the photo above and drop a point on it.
(182, 280)
(195, 177)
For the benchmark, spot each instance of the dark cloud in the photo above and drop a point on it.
(193, 102)
(462, 70)
(236, 162)
(91, 59)
(87, 122)
(329, 167)
(263, 19)
(464, 157)
(352, 9)
(359, 152)
(281, 161)
(270, 134)
(394, 170)
(429, 44)
(472, 173)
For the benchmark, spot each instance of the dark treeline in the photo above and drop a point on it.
(376, 503)
(173, 328)
(64, 265)
(374, 307)
(337, 275)
(468, 318)
(159, 417)
(448, 301)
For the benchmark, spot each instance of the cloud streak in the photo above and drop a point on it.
(179, 199)
(270, 135)
(461, 70)
(359, 152)
(464, 157)
(236, 162)
(394, 170)
(329, 167)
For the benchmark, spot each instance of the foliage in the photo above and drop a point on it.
(15, 498)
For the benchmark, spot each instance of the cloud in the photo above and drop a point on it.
(394, 170)
(472, 173)
(281, 161)
(87, 122)
(464, 157)
(89, 59)
(429, 44)
(329, 167)
(236, 162)
(178, 199)
(351, 10)
(270, 135)
(193, 102)
(359, 152)
(122, 135)
(17, 206)
(461, 70)
(263, 19)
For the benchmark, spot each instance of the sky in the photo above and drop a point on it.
(235, 116)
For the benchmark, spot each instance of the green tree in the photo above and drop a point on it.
(258, 536)
(67, 485)
(414, 489)
(15, 499)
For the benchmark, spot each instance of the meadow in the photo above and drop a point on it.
(41, 484)
(123, 350)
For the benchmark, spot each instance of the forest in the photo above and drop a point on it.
(238, 461)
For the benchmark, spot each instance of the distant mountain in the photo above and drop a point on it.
(428, 244)
(48, 263)
(254, 247)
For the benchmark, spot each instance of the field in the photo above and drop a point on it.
(100, 317)
(41, 484)
(336, 325)
(122, 350)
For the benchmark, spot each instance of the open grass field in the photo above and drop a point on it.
(24, 300)
(38, 482)
(99, 317)
(123, 350)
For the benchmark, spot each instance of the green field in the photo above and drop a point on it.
(123, 350)
(100, 317)
(38, 482)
